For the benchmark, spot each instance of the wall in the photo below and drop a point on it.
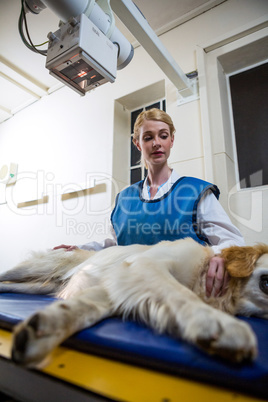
(246, 206)
(66, 138)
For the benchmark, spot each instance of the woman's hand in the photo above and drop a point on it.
(67, 248)
(217, 278)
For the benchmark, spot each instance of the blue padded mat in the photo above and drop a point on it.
(133, 343)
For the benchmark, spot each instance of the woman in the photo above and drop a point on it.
(166, 206)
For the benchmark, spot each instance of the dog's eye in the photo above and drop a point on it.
(264, 283)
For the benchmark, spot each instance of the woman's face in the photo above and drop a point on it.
(155, 142)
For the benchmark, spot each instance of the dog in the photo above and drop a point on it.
(162, 286)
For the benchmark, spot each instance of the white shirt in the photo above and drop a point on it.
(211, 217)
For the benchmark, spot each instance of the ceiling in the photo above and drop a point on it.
(23, 76)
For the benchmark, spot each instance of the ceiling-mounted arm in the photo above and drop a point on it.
(135, 22)
(87, 49)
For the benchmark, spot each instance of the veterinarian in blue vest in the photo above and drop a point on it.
(166, 206)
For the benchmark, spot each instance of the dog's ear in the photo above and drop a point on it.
(240, 261)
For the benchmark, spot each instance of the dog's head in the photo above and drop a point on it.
(250, 263)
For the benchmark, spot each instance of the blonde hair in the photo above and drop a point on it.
(152, 114)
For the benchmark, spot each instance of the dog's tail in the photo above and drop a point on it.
(48, 266)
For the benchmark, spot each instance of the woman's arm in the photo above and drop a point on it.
(93, 245)
(215, 224)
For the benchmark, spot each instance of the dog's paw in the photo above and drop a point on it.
(220, 334)
(32, 340)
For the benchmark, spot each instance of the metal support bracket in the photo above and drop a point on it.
(105, 6)
(183, 94)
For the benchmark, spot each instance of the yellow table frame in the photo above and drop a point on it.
(74, 376)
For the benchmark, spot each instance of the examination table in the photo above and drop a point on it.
(125, 361)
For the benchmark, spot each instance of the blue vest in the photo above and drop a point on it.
(171, 217)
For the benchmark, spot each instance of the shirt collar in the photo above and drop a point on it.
(162, 189)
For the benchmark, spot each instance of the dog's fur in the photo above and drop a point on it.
(161, 285)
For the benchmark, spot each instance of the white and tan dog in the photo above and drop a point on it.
(161, 285)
